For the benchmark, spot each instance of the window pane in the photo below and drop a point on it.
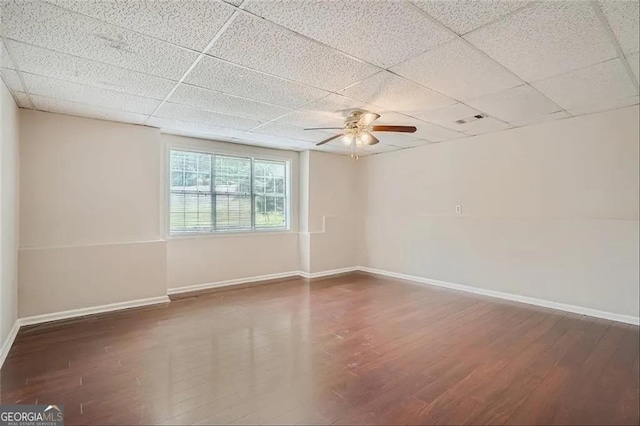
(279, 186)
(233, 212)
(190, 171)
(269, 177)
(270, 212)
(233, 175)
(177, 180)
(234, 208)
(190, 212)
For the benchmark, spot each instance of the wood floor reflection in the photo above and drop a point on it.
(350, 350)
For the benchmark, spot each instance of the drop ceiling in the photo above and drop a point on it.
(257, 72)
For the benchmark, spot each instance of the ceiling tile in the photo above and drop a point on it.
(457, 70)
(48, 26)
(293, 132)
(518, 103)
(447, 116)
(427, 131)
(222, 76)
(62, 66)
(59, 106)
(261, 45)
(397, 94)
(193, 129)
(306, 119)
(22, 100)
(225, 104)
(463, 16)
(5, 60)
(485, 125)
(432, 132)
(624, 20)
(540, 119)
(633, 60)
(207, 118)
(337, 107)
(380, 148)
(378, 31)
(103, 98)
(604, 106)
(597, 84)
(545, 40)
(399, 139)
(272, 141)
(11, 80)
(190, 24)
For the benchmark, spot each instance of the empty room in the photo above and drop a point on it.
(319, 212)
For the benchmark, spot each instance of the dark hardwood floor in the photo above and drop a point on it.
(350, 350)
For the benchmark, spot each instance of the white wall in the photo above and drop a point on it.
(196, 260)
(9, 163)
(548, 211)
(94, 218)
(331, 204)
(89, 213)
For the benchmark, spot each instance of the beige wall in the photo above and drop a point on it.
(548, 211)
(89, 216)
(203, 259)
(332, 205)
(9, 163)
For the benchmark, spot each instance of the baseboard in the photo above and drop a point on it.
(74, 313)
(230, 283)
(8, 342)
(327, 273)
(628, 319)
(257, 279)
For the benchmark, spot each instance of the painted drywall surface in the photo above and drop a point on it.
(9, 164)
(59, 279)
(87, 181)
(194, 261)
(90, 207)
(548, 211)
(203, 259)
(332, 209)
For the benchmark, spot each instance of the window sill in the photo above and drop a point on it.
(229, 234)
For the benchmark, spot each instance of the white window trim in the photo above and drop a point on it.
(166, 182)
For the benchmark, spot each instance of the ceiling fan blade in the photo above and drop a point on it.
(367, 118)
(369, 139)
(329, 139)
(402, 129)
(324, 128)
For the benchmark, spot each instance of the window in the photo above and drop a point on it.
(211, 193)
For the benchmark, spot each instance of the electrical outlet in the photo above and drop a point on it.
(458, 209)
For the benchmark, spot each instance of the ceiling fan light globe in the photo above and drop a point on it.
(365, 139)
(348, 139)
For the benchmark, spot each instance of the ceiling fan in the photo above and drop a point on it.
(358, 127)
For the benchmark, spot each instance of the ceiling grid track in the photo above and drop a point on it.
(20, 77)
(614, 41)
(198, 59)
(485, 55)
(445, 30)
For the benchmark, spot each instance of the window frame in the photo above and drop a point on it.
(212, 232)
